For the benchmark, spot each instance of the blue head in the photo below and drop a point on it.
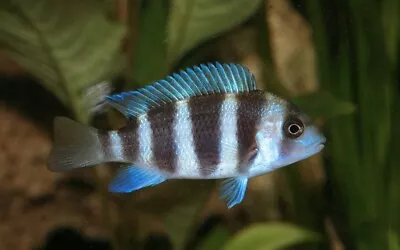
(285, 135)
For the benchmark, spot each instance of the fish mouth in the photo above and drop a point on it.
(318, 145)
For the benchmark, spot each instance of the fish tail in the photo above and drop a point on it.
(75, 146)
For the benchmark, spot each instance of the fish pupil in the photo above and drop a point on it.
(294, 128)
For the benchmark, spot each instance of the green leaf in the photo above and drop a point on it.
(177, 203)
(68, 45)
(269, 236)
(150, 56)
(180, 221)
(181, 218)
(391, 25)
(216, 240)
(359, 66)
(393, 241)
(323, 104)
(192, 22)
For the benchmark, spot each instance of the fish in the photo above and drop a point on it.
(208, 121)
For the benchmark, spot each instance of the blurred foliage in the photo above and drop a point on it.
(180, 212)
(357, 46)
(68, 45)
(194, 21)
(216, 240)
(269, 237)
(323, 104)
(149, 57)
(72, 46)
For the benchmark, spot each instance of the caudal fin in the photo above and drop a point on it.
(75, 146)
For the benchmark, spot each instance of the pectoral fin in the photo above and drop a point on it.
(132, 178)
(232, 190)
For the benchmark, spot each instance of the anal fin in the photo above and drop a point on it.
(133, 178)
(232, 190)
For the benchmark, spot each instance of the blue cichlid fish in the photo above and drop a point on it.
(207, 122)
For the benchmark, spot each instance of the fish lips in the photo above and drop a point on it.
(318, 145)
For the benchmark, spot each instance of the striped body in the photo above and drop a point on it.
(207, 122)
(203, 137)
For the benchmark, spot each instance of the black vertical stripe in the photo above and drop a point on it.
(105, 143)
(205, 115)
(285, 145)
(164, 150)
(249, 114)
(129, 144)
(130, 140)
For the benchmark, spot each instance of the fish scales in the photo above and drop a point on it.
(205, 122)
(145, 136)
(215, 142)
(121, 145)
(188, 160)
(202, 144)
(228, 141)
(130, 140)
(105, 142)
(205, 118)
(249, 116)
(112, 145)
(164, 148)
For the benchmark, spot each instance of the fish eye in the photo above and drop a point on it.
(293, 128)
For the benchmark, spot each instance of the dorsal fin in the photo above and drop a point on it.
(195, 81)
